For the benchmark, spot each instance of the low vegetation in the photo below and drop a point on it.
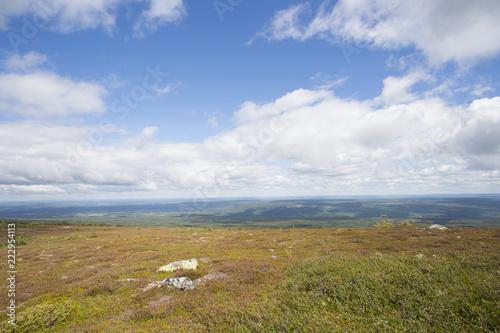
(397, 279)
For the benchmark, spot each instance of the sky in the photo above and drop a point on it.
(118, 99)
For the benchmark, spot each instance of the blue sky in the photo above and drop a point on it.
(200, 99)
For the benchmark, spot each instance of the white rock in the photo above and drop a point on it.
(437, 226)
(184, 264)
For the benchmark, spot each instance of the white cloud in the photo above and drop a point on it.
(286, 23)
(159, 13)
(443, 30)
(479, 89)
(349, 144)
(84, 14)
(62, 15)
(24, 63)
(328, 81)
(479, 138)
(45, 94)
(397, 89)
(76, 15)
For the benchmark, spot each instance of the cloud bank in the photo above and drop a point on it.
(307, 139)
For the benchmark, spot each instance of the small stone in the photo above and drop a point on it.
(128, 280)
(274, 257)
(211, 276)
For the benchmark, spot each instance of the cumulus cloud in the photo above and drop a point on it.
(43, 94)
(479, 138)
(28, 91)
(76, 15)
(442, 30)
(306, 139)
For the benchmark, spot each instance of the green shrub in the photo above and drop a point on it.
(394, 294)
(20, 240)
(406, 223)
(375, 294)
(72, 237)
(40, 318)
(384, 223)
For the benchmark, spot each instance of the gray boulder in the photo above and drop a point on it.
(181, 283)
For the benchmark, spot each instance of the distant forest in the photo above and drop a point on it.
(466, 212)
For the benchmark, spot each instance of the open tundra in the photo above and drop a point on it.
(92, 279)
